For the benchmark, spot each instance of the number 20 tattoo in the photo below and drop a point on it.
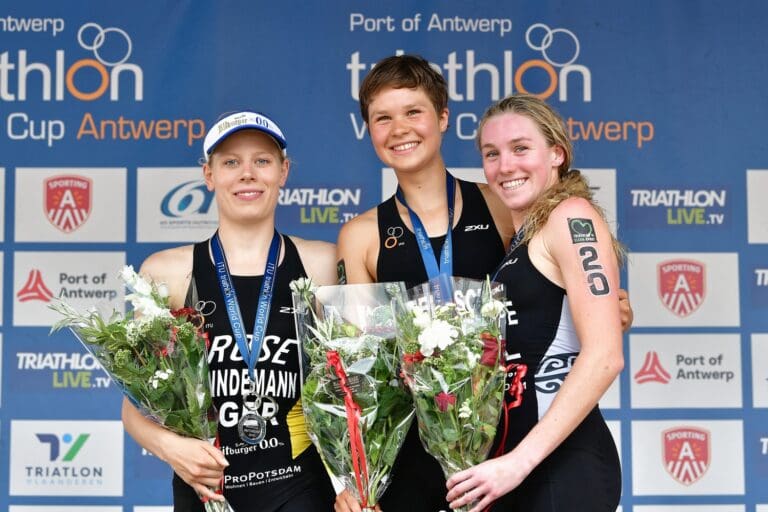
(583, 231)
(598, 283)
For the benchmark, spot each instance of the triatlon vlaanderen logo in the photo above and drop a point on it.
(681, 285)
(686, 453)
(67, 201)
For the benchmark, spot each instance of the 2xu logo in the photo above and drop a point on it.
(76, 444)
(67, 201)
(681, 285)
(686, 453)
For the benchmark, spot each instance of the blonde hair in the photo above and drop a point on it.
(570, 183)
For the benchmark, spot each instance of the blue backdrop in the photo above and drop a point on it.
(102, 112)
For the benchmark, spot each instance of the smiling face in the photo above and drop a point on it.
(246, 171)
(518, 161)
(405, 130)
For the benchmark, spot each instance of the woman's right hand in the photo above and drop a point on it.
(345, 502)
(199, 463)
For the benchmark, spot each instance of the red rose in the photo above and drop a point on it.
(443, 400)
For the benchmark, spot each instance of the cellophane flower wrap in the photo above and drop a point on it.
(357, 410)
(156, 356)
(453, 363)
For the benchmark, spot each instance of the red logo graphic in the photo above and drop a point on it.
(686, 453)
(681, 286)
(34, 288)
(67, 201)
(652, 370)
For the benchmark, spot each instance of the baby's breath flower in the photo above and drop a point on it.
(492, 309)
(465, 411)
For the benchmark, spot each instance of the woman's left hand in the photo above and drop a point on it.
(480, 485)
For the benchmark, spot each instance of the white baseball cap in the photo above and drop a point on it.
(245, 120)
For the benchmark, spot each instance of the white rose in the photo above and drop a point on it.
(440, 334)
(127, 274)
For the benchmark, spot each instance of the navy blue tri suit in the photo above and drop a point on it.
(583, 473)
(418, 483)
(284, 473)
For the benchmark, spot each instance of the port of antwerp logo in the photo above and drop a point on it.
(652, 370)
(686, 453)
(67, 201)
(75, 445)
(34, 288)
(681, 286)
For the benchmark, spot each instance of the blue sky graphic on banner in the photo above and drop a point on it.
(102, 115)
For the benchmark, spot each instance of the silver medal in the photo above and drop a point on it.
(252, 428)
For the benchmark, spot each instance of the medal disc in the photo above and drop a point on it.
(252, 428)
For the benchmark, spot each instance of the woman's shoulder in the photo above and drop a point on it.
(170, 266)
(318, 258)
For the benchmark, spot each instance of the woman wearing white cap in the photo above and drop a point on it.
(238, 279)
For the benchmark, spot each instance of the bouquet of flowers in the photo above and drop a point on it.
(452, 361)
(356, 409)
(157, 357)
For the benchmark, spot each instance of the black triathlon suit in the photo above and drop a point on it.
(418, 483)
(583, 473)
(284, 472)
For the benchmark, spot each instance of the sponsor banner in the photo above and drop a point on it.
(70, 204)
(685, 370)
(52, 364)
(173, 204)
(62, 508)
(153, 509)
(684, 289)
(759, 370)
(320, 206)
(679, 207)
(757, 207)
(83, 279)
(615, 428)
(66, 458)
(2, 210)
(688, 508)
(761, 508)
(687, 457)
(602, 182)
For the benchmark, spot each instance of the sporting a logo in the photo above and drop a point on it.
(67, 201)
(681, 286)
(686, 453)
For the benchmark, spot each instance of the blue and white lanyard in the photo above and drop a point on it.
(250, 356)
(431, 264)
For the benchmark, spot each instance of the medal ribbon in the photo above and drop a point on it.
(434, 267)
(250, 356)
(357, 448)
